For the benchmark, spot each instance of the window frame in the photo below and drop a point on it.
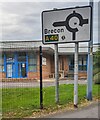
(32, 56)
(83, 58)
(2, 63)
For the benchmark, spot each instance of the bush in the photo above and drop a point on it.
(96, 69)
(96, 78)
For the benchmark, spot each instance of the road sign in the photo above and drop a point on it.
(67, 25)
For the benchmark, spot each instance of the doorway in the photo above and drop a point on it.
(22, 70)
(9, 70)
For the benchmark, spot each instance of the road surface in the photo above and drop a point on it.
(92, 111)
(37, 84)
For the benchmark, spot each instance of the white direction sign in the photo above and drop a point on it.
(67, 25)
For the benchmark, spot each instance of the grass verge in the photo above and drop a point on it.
(23, 102)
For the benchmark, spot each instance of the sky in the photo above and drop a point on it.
(22, 20)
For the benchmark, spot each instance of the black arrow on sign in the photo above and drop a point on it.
(66, 23)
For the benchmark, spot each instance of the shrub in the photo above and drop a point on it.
(96, 67)
(96, 78)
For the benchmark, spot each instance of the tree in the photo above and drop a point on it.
(96, 67)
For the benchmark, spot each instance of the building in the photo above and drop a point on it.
(20, 60)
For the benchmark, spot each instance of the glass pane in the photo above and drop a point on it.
(84, 62)
(84, 68)
(23, 70)
(0, 68)
(71, 63)
(32, 55)
(9, 70)
(33, 68)
(71, 67)
(10, 57)
(19, 70)
(80, 62)
(71, 60)
(1, 60)
(32, 61)
(22, 57)
(80, 67)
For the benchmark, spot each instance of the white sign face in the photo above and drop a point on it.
(66, 25)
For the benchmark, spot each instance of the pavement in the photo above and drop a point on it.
(46, 83)
(91, 111)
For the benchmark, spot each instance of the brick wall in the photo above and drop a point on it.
(2, 75)
(33, 75)
(46, 69)
(82, 75)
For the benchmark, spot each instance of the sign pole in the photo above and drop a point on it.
(90, 61)
(56, 74)
(76, 75)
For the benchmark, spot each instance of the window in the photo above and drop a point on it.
(82, 63)
(1, 63)
(61, 63)
(1, 68)
(10, 57)
(22, 57)
(71, 63)
(32, 62)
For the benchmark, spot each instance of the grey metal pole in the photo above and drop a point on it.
(76, 75)
(56, 74)
(90, 61)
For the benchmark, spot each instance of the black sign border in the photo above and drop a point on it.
(91, 24)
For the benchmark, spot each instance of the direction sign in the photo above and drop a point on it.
(67, 25)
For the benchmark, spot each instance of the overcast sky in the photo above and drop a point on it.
(22, 20)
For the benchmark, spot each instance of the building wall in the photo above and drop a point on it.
(82, 75)
(32, 75)
(67, 72)
(2, 75)
(48, 68)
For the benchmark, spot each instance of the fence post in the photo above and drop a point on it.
(41, 91)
